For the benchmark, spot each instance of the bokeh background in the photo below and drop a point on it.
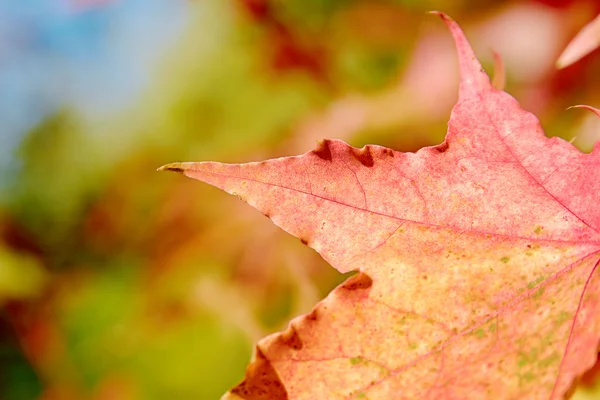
(117, 282)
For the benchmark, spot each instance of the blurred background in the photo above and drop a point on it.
(117, 282)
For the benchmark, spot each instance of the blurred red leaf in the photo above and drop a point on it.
(476, 259)
(260, 10)
(586, 41)
(287, 51)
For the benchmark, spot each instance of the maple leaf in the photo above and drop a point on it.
(476, 259)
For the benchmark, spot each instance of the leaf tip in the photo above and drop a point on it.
(564, 60)
(561, 63)
(586, 41)
(174, 167)
(473, 77)
(589, 108)
(499, 80)
(440, 14)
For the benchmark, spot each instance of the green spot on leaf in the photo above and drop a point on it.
(549, 361)
(356, 360)
(562, 317)
(538, 293)
(534, 283)
(528, 376)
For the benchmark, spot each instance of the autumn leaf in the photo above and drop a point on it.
(476, 259)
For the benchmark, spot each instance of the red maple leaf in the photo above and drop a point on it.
(476, 259)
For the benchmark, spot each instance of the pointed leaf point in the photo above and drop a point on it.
(499, 80)
(586, 41)
(589, 108)
(473, 78)
(174, 167)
